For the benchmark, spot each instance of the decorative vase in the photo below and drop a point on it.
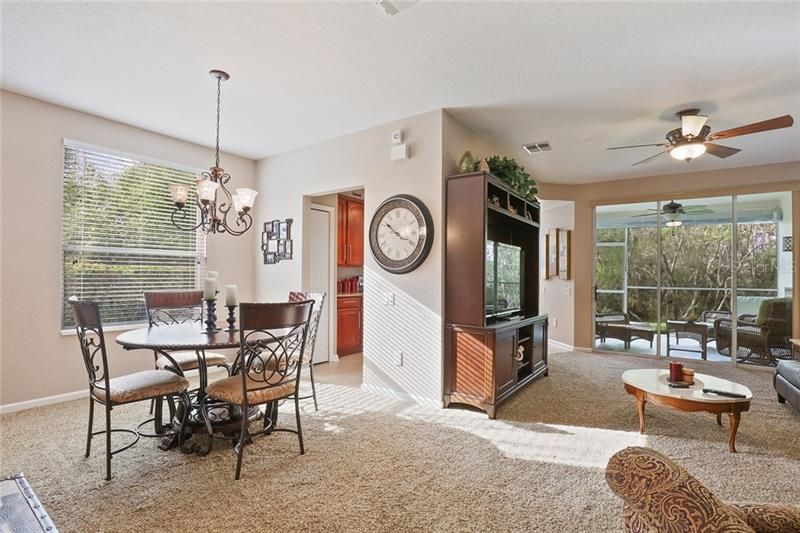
(467, 163)
(483, 165)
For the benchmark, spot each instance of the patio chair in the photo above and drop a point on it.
(764, 338)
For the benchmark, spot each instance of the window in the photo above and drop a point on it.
(117, 234)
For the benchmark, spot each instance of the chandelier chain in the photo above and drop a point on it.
(219, 93)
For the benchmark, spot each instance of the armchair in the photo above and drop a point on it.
(764, 337)
(659, 495)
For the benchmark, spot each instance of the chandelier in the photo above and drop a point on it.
(214, 200)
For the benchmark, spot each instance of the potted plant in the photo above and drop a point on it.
(510, 172)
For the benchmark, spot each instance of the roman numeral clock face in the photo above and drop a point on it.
(401, 234)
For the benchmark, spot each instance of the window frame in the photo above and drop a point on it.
(80, 145)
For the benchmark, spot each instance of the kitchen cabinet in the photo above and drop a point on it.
(350, 232)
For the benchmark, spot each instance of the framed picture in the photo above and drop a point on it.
(283, 230)
(552, 253)
(564, 251)
(787, 244)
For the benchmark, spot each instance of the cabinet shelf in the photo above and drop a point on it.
(509, 214)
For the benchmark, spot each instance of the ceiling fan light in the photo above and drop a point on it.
(673, 223)
(692, 125)
(687, 151)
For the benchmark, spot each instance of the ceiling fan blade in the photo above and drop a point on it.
(649, 158)
(699, 211)
(635, 146)
(645, 215)
(692, 125)
(720, 151)
(772, 124)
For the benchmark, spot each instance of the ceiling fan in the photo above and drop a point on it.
(673, 211)
(694, 137)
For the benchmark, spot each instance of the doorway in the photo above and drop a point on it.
(333, 262)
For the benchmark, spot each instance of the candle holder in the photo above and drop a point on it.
(211, 316)
(231, 318)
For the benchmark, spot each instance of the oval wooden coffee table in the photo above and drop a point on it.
(650, 385)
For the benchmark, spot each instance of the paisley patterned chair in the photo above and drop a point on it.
(660, 496)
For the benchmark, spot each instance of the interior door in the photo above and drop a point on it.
(320, 277)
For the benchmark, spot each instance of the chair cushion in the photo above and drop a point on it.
(188, 360)
(143, 386)
(790, 371)
(230, 390)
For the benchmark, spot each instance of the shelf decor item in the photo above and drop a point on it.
(276, 241)
(213, 199)
(509, 171)
(467, 163)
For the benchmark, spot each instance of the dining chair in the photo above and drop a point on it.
(272, 344)
(179, 307)
(111, 392)
(313, 327)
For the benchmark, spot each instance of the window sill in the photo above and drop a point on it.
(120, 327)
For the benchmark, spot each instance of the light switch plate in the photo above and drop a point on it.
(399, 152)
(389, 298)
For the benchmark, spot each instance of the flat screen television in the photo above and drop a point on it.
(504, 279)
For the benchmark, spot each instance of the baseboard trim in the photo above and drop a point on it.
(562, 345)
(41, 402)
(69, 396)
(391, 393)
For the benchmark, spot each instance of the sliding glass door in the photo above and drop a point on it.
(698, 278)
(625, 272)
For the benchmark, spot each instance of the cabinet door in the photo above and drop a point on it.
(539, 346)
(355, 233)
(348, 330)
(505, 346)
(341, 232)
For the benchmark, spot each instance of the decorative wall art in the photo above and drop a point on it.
(787, 244)
(552, 254)
(276, 241)
(564, 251)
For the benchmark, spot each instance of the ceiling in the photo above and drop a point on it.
(582, 76)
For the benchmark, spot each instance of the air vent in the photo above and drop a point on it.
(535, 148)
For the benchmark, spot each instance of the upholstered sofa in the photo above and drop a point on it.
(787, 382)
(660, 496)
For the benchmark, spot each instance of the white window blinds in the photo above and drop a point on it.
(118, 237)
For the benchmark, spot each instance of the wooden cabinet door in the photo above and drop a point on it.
(505, 346)
(539, 346)
(355, 233)
(341, 232)
(348, 325)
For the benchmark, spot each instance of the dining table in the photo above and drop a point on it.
(165, 339)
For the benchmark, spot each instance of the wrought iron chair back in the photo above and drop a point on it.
(173, 307)
(316, 316)
(273, 339)
(89, 328)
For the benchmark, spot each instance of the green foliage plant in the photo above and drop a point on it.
(513, 174)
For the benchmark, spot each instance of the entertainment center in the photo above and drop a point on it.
(495, 338)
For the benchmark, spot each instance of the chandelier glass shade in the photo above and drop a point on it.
(214, 200)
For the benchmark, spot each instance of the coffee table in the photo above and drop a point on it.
(650, 385)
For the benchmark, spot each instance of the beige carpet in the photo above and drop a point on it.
(374, 464)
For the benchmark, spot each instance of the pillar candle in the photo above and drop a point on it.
(230, 295)
(210, 289)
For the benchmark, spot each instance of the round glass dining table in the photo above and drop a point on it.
(167, 339)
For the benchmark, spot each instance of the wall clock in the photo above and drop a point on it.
(401, 234)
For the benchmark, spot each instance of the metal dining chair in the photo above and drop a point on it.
(111, 392)
(179, 307)
(313, 327)
(267, 370)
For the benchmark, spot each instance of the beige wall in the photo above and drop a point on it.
(37, 361)
(557, 295)
(763, 178)
(413, 324)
